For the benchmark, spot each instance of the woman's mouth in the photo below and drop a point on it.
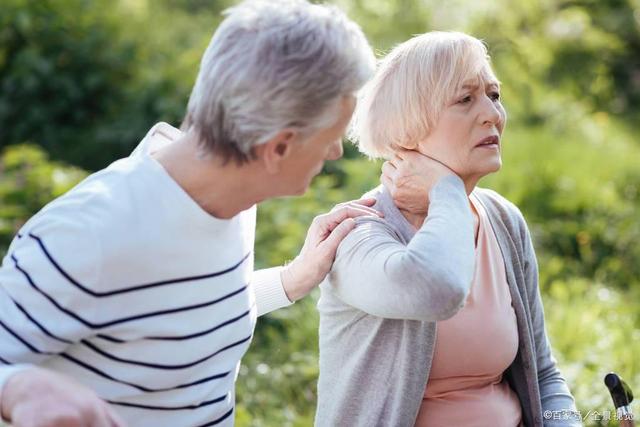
(492, 141)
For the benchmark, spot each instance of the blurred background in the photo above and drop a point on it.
(82, 81)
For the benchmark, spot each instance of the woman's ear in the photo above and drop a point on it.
(273, 152)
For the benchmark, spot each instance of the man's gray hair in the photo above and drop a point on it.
(273, 65)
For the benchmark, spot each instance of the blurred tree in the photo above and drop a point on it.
(63, 72)
(85, 79)
(28, 181)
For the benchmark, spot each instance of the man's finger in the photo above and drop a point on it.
(366, 201)
(330, 220)
(364, 208)
(340, 232)
(356, 205)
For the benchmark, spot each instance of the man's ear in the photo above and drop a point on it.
(277, 149)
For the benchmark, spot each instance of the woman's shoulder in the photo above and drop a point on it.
(371, 227)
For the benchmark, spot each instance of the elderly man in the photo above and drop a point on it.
(132, 298)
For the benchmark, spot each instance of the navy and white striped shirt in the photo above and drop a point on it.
(128, 286)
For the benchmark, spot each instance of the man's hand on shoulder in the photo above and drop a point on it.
(37, 397)
(326, 232)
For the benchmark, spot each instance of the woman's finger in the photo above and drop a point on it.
(389, 169)
(400, 152)
(387, 182)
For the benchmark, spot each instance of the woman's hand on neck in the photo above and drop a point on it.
(410, 176)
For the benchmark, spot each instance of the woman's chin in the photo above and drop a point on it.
(493, 165)
(488, 168)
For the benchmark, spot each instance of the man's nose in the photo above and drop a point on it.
(335, 152)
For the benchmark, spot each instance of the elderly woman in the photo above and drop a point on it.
(431, 316)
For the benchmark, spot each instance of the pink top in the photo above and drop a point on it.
(474, 348)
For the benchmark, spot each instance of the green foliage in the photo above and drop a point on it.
(63, 70)
(28, 181)
(594, 329)
(579, 190)
(86, 79)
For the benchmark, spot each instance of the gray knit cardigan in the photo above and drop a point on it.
(390, 285)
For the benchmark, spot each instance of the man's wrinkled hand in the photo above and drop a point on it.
(326, 232)
(409, 176)
(37, 397)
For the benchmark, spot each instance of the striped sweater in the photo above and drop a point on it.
(128, 286)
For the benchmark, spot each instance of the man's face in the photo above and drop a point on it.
(308, 156)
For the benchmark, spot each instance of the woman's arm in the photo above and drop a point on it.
(555, 396)
(428, 279)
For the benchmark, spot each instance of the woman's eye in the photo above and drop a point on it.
(465, 100)
(495, 96)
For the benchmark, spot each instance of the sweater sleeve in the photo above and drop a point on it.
(39, 306)
(270, 294)
(428, 279)
(558, 405)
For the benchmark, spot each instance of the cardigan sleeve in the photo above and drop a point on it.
(427, 279)
(558, 405)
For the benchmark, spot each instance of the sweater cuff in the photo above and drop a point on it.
(268, 289)
(5, 373)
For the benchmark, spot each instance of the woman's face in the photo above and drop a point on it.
(467, 135)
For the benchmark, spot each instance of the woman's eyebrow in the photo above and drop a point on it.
(469, 85)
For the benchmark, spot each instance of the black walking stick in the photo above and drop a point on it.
(622, 397)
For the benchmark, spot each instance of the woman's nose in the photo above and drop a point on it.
(491, 113)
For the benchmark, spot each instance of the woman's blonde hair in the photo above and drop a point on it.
(412, 85)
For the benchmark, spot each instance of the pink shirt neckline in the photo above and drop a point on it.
(474, 347)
